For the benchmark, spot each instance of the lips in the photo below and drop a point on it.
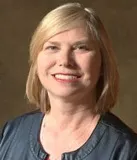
(66, 77)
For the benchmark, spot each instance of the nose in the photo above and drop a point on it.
(66, 58)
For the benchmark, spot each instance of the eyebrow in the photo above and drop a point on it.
(53, 42)
(84, 41)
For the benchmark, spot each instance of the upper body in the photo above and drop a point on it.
(110, 140)
(73, 79)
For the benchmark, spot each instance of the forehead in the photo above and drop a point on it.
(72, 35)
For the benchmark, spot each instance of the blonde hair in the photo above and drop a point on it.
(63, 18)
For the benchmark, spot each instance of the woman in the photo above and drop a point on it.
(73, 79)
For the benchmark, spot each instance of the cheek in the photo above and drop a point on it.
(92, 67)
(42, 68)
(40, 64)
(44, 63)
(91, 64)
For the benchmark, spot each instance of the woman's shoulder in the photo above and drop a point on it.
(19, 124)
(21, 132)
(116, 124)
(118, 137)
(118, 128)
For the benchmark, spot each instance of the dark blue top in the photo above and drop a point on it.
(110, 140)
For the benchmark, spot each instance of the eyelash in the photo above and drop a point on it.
(82, 47)
(51, 48)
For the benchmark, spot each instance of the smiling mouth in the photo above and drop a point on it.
(66, 77)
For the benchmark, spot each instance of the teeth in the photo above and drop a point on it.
(66, 77)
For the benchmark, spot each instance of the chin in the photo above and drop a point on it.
(60, 93)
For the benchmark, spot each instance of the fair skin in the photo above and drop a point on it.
(68, 67)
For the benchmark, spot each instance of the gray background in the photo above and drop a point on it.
(19, 18)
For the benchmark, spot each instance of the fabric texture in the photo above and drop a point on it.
(110, 140)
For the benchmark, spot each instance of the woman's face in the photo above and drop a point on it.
(69, 65)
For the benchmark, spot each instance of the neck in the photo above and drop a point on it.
(68, 123)
(66, 115)
(70, 111)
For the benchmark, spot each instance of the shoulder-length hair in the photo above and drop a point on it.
(66, 17)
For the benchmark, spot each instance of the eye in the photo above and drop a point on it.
(52, 47)
(82, 47)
